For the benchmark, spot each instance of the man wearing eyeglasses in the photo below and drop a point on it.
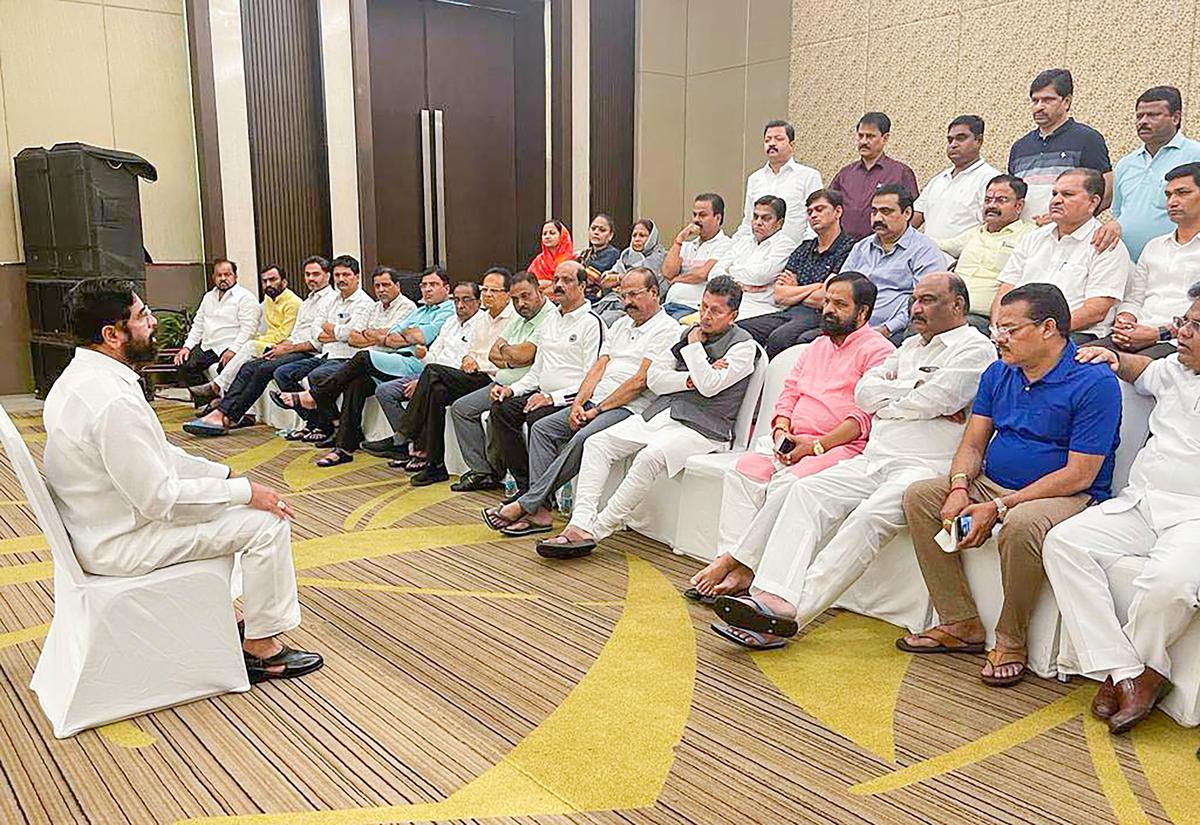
(983, 250)
(1038, 448)
(1155, 517)
(613, 389)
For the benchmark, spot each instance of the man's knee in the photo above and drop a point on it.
(1027, 526)
(1170, 580)
(650, 458)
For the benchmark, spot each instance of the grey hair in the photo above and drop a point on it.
(1194, 291)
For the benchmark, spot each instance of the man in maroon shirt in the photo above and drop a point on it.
(858, 181)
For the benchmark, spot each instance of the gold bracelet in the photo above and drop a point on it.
(957, 476)
(817, 447)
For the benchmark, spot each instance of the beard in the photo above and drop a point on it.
(141, 352)
(273, 292)
(832, 325)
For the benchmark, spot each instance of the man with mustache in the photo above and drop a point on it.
(895, 256)
(228, 317)
(949, 204)
(1039, 448)
(613, 389)
(756, 259)
(859, 181)
(782, 177)
(816, 424)
(983, 250)
(1156, 517)
(571, 340)
(133, 503)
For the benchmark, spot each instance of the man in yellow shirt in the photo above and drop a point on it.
(280, 307)
(983, 250)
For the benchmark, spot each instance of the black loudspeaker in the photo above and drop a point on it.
(50, 358)
(37, 226)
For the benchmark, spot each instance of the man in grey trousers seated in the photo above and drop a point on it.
(613, 389)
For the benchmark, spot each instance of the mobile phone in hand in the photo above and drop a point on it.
(786, 445)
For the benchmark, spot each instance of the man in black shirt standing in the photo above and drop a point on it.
(801, 286)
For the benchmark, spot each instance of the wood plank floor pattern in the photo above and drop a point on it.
(421, 694)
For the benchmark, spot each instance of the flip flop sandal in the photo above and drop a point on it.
(695, 595)
(314, 437)
(565, 549)
(297, 435)
(999, 658)
(247, 420)
(756, 640)
(203, 429)
(748, 613)
(493, 519)
(943, 640)
(342, 457)
(522, 527)
(280, 399)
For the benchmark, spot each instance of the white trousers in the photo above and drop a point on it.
(1078, 552)
(784, 554)
(269, 601)
(246, 352)
(749, 509)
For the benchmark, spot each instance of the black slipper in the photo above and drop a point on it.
(340, 457)
(523, 527)
(565, 550)
(748, 613)
(694, 595)
(295, 663)
(757, 641)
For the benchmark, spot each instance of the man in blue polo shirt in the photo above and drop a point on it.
(1057, 144)
(1038, 449)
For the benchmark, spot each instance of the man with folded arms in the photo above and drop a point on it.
(571, 342)
(228, 317)
(1155, 517)
(133, 503)
(1038, 448)
(613, 389)
(918, 397)
(255, 375)
(816, 424)
(700, 387)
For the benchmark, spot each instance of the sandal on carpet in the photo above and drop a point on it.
(946, 643)
(416, 464)
(203, 428)
(553, 549)
(297, 435)
(747, 638)
(285, 400)
(247, 420)
(295, 663)
(692, 594)
(524, 527)
(493, 519)
(748, 613)
(315, 437)
(333, 459)
(999, 657)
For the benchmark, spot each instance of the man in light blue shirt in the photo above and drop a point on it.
(895, 256)
(1138, 203)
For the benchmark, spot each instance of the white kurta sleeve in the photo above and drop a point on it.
(945, 391)
(196, 333)
(193, 466)
(249, 313)
(710, 381)
(879, 385)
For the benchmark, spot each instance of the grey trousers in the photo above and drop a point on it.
(556, 452)
(467, 414)
(391, 398)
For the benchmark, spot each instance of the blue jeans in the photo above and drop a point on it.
(678, 311)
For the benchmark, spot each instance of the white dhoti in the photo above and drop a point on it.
(1078, 552)
(662, 445)
(246, 352)
(269, 601)
(780, 548)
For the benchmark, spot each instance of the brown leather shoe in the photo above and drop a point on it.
(1138, 696)
(1106, 702)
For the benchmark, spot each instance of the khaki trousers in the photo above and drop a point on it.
(1020, 543)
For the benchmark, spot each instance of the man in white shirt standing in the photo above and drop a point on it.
(1062, 254)
(227, 318)
(1156, 517)
(918, 398)
(782, 177)
(1169, 264)
(613, 390)
(952, 201)
(133, 503)
(700, 386)
(694, 253)
(756, 259)
(571, 341)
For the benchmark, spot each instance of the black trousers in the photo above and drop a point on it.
(507, 421)
(354, 381)
(1160, 350)
(424, 420)
(251, 381)
(779, 330)
(192, 371)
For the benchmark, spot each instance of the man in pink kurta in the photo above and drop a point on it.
(815, 412)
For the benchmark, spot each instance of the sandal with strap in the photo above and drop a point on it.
(333, 459)
(315, 437)
(297, 435)
(747, 638)
(999, 657)
(749, 613)
(946, 643)
(291, 663)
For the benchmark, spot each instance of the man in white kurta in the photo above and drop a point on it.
(1156, 517)
(132, 502)
(782, 177)
(226, 319)
(754, 260)
(918, 397)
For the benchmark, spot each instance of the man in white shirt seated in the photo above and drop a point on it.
(782, 177)
(1156, 517)
(700, 386)
(390, 307)
(571, 342)
(694, 253)
(133, 503)
(756, 259)
(952, 201)
(919, 397)
(1169, 264)
(1061, 253)
(227, 318)
(613, 389)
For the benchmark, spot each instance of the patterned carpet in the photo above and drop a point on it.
(467, 679)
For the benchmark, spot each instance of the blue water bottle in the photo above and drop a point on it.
(510, 486)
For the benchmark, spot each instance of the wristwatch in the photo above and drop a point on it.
(1001, 509)
(818, 448)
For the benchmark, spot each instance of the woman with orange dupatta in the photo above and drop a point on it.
(556, 248)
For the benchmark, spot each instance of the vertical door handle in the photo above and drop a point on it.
(439, 144)
(427, 185)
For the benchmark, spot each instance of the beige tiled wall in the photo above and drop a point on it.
(112, 74)
(709, 74)
(925, 61)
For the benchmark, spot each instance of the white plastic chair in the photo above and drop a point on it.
(121, 647)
